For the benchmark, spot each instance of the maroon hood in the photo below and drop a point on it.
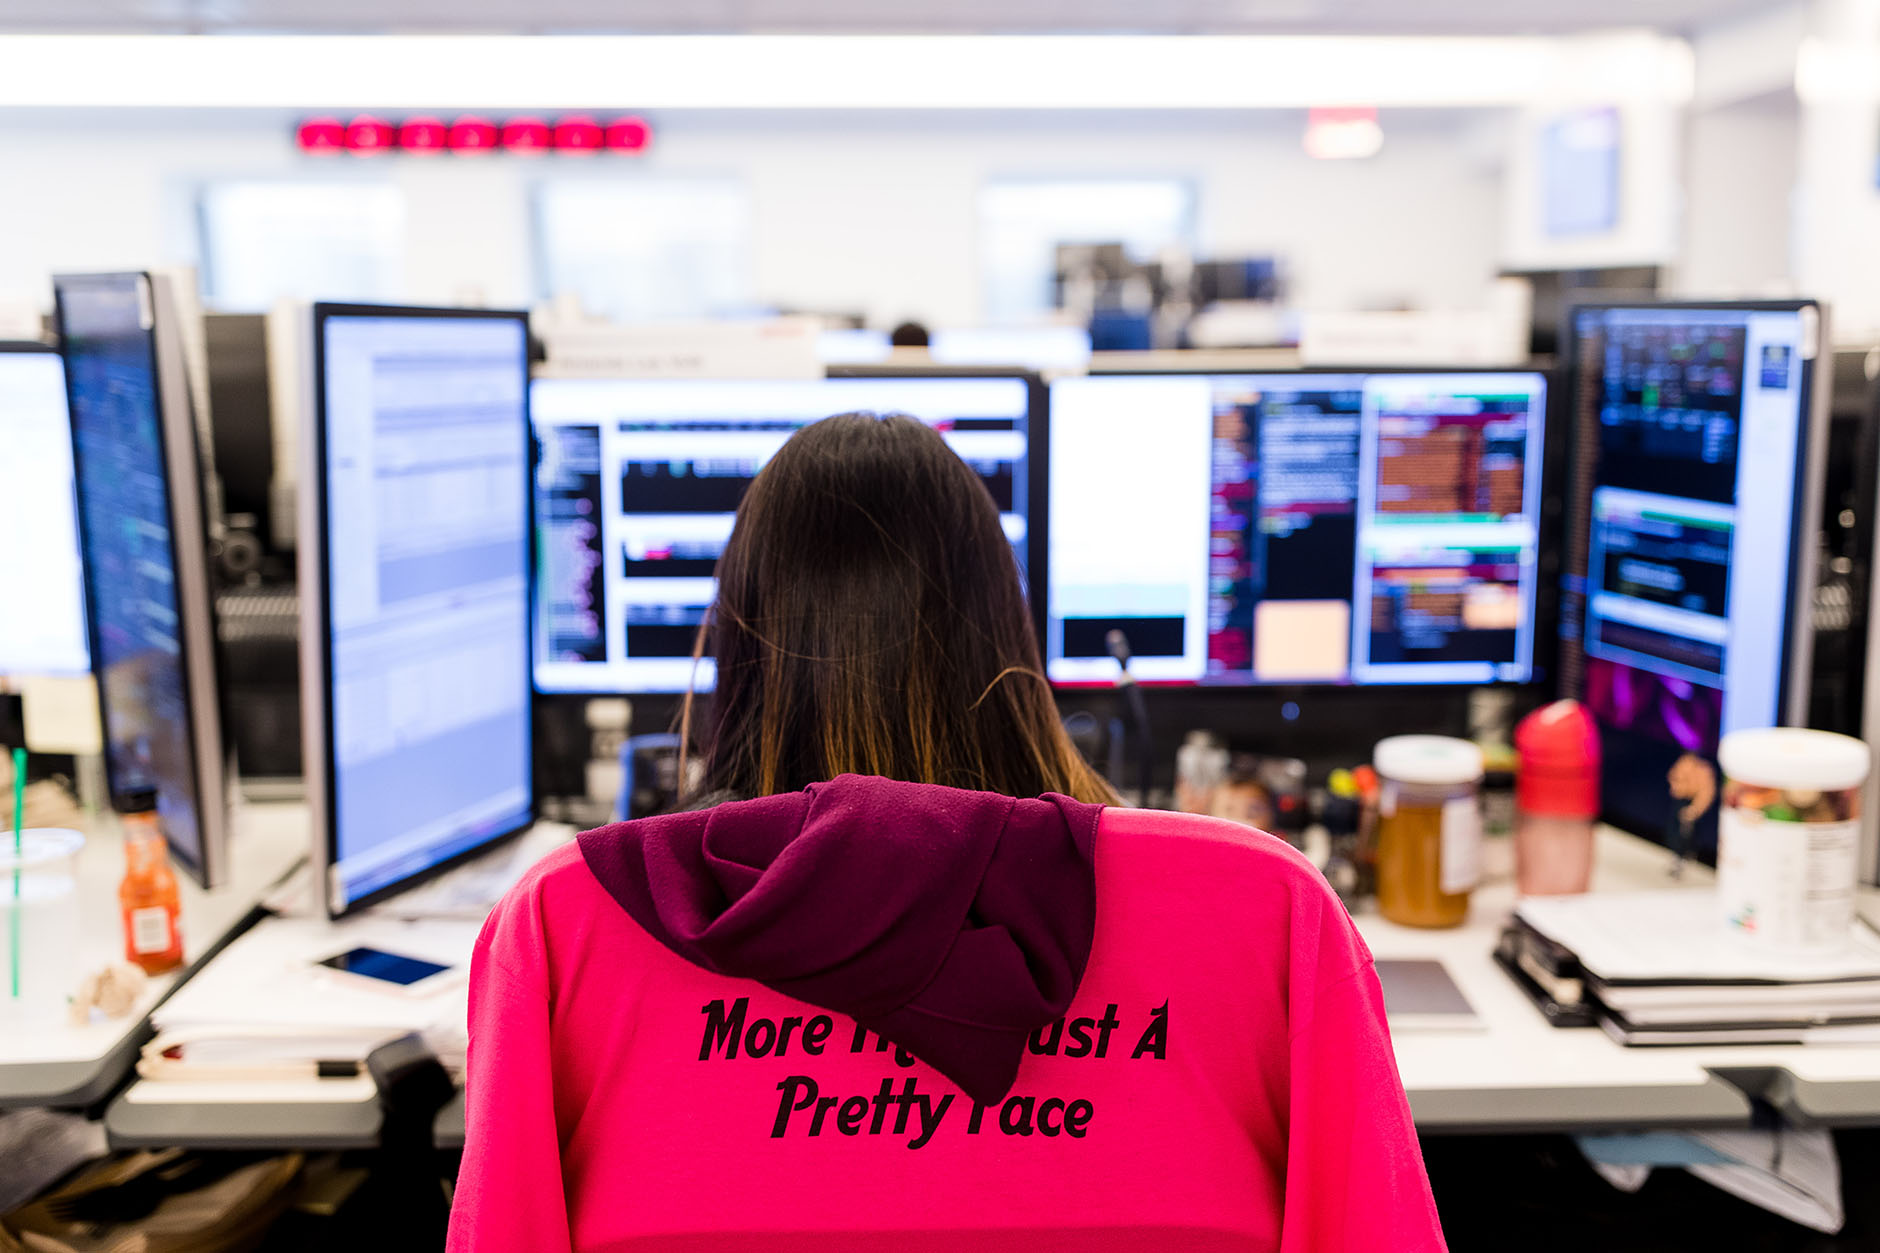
(953, 923)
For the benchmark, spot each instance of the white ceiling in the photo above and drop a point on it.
(959, 16)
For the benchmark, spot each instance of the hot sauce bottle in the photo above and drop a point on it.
(153, 933)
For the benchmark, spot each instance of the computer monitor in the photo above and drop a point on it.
(637, 483)
(1297, 528)
(143, 527)
(1697, 435)
(39, 564)
(414, 591)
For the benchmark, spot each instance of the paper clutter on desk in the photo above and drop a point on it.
(260, 1053)
(111, 990)
(1653, 968)
(1786, 1170)
(266, 993)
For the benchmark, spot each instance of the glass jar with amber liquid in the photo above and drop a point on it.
(1429, 828)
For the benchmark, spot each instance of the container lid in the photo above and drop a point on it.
(1559, 746)
(1433, 760)
(1558, 735)
(140, 800)
(1790, 757)
(39, 846)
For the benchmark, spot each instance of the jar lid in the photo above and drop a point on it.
(1432, 760)
(1790, 757)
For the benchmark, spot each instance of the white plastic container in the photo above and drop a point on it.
(48, 922)
(1200, 765)
(1789, 837)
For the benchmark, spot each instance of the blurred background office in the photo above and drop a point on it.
(1708, 146)
(1253, 316)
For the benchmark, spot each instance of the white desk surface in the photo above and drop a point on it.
(311, 1113)
(1517, 1074)
(1520, 1072)
(55, 1063)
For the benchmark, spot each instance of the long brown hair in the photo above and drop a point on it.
(870, 620)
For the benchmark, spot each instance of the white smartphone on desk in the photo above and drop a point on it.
(382, 971)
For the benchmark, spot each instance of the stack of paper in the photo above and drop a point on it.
(1661, 970)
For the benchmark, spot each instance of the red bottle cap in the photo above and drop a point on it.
(1559, 747)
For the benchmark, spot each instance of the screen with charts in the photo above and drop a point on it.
(1684, 557)
(1296, 528)
(141, 526)
(37, 501)
(637, 483)
(422, 424)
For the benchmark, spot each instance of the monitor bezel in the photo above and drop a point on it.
(199, 658)
(36, 347)
(1037, 485)
(316, 637)
(1797, 647)
(1542, 663)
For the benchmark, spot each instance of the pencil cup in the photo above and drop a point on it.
(39, 925)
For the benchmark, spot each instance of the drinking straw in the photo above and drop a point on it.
(19, 859)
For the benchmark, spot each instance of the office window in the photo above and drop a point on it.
(1580, 168)
(266, 242)
(649, 249)
(1021, 223)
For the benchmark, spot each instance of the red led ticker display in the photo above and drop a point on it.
(577, 134)
(423, 135)
(628, 134)
(471, 135)
(368, 136)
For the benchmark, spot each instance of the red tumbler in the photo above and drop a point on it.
(1557, 798)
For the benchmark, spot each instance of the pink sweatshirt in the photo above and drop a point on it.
(1221, 1078)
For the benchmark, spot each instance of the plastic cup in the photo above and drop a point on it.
(44, 915)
